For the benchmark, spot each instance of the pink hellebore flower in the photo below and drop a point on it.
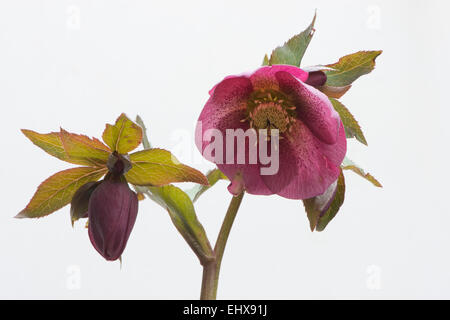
(312, 142)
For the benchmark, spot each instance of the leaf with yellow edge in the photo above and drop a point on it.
(52, 144)
(124, 136)
(351, 67)
(58, 190)
(352, 128)
(91, 152)
(49, 142)
(347, 164)
(157, 167)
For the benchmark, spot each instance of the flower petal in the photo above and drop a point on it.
(249, 170)
(286, 166)
(227, 97)
(317, 163)
(314, 108)
(253, 182)
(265, 77)
(236, 185)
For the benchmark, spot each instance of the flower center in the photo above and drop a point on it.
(270, 109)
(270, 116)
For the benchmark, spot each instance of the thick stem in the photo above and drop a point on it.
(211, 270)
(208, 281)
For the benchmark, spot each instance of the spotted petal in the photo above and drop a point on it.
(249, 172)
(316, 163)
(265, 77)
(314, 108)
(227, 97)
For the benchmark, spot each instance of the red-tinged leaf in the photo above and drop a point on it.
(334, 92)
(91, 152)
(158, 167)
(52, 144)
(58, 190)
(352, 128)
(124, 136)
(351, 67)
(347, 164)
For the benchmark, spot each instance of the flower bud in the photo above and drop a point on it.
(118, 164)
(316, 78)
(113, 208)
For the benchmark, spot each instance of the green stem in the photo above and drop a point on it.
(211, 270)
(208, 281)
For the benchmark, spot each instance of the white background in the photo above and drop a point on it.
(79, 64)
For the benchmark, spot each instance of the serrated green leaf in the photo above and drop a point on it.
(347, 164)
(322, 209)
(53, 145)
(90, 152)
(58, 190)
(213, 176)
(352, 128)
(182, 213)
(292, 52)
(351, 67)
(157, 167)
(49, 142)
(124, 136)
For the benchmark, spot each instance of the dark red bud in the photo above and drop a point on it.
(80, 201)
(113, 209)
(316, 78)
(118, 164)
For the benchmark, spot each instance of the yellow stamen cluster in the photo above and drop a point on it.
(270, 109)
(269, 116)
